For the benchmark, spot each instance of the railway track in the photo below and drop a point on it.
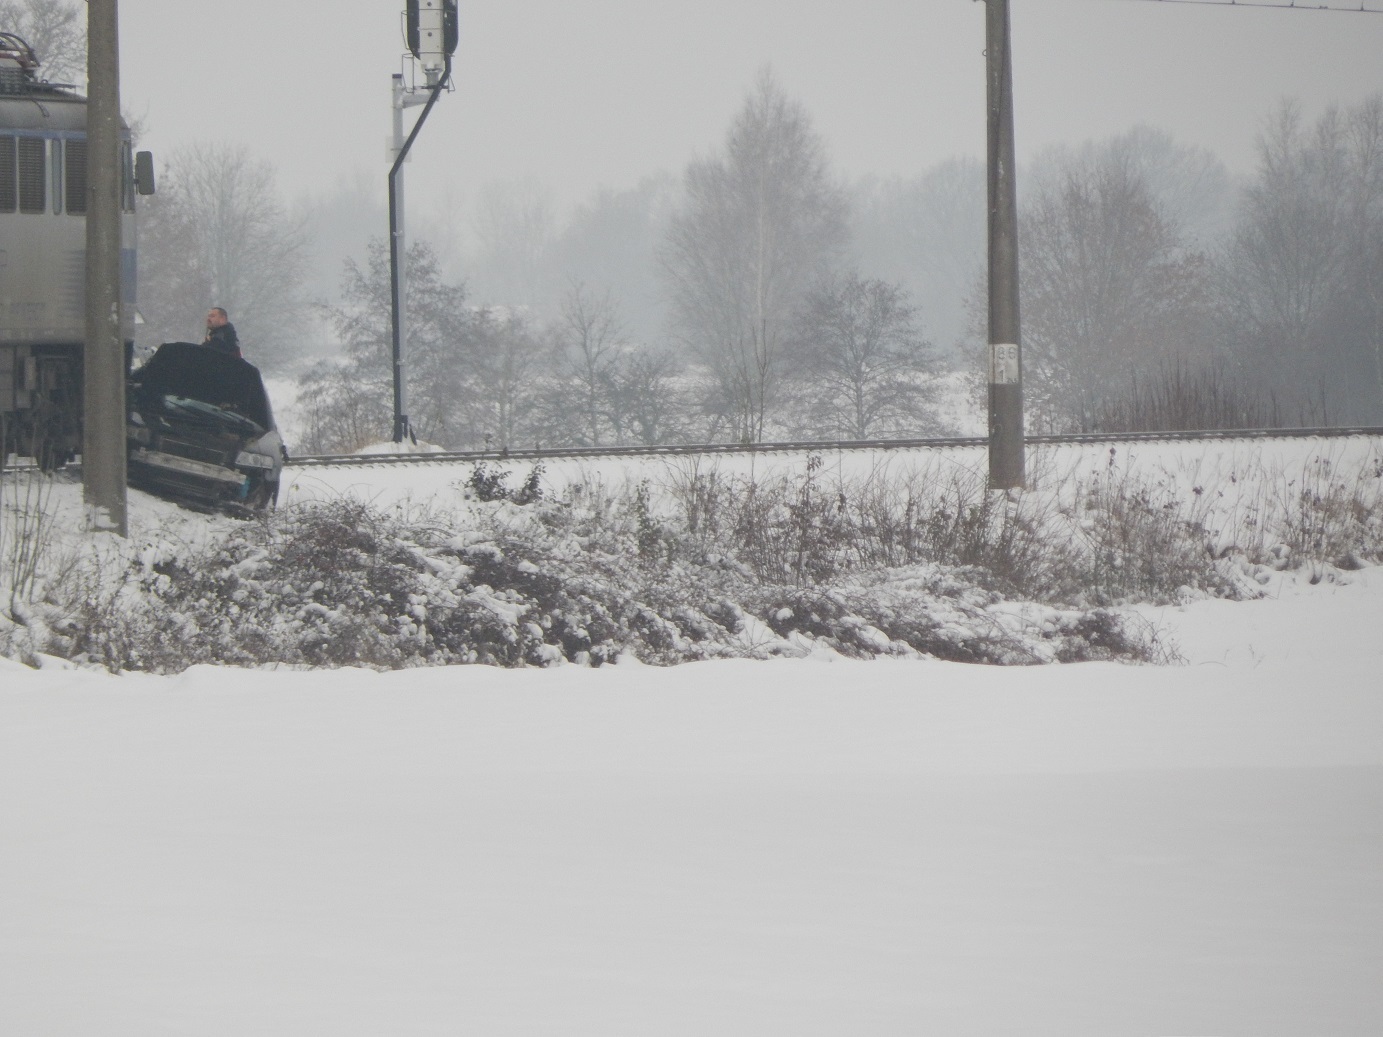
(812, 446)
(797, 447)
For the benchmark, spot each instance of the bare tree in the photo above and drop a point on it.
(1287, 249)
(589, 351)
(218, 234)
(514, 226)
(56, 30)
(349, 402)
(926, 234)
(1190, 185)
(866, 365)
(508, 378)
(339, 411)
(758, 225)
(474, 375)
(651, 400)
(1107, 287)
(611, 241)
(603, 388)
(1300, 276)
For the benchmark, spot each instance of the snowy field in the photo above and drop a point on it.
(808, 846)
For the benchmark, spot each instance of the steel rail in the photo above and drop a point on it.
(810, 446)
(792, 446)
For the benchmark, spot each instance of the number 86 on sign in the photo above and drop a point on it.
(1003, 363)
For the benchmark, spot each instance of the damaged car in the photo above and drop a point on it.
(201, 432)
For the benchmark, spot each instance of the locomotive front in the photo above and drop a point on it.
(43, 202)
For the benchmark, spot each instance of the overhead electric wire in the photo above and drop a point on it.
(1290, 6)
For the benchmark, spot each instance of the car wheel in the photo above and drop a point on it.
(265, 496)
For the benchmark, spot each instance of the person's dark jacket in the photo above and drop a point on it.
(223, 339)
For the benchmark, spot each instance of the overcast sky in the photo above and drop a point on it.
(584, 95)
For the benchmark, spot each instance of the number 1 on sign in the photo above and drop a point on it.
(1003, 363)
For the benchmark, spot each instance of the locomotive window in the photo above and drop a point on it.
(8, 179)
(33, 195)
(76, 177)
(57, 175)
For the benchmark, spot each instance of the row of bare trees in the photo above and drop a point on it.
(759, 224)
(1304, 272)
(469, 370)
(761, 297)
(1146, 272)
(1120, 294)
(217, 233)
(485, 377)
(1153, 292)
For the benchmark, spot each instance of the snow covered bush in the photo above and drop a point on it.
(1136, 540)
(27, 527)
(518, 570)
(26, 530)
(590, 579)
(1105, 538)
(1332, 514)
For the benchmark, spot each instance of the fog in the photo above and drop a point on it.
(602, 94)
(568, 122)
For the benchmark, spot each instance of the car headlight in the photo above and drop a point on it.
(245, 459)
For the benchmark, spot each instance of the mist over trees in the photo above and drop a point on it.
(470, 372)
(515, 227)
(483, 377)
(1108, 288)
(758, 224)
(755, 294)
(217, 233)
(864, 365)
(758, 296)
(610, 244)
(926, 234)
(340, 223)
(1300, 278)
(56, 30)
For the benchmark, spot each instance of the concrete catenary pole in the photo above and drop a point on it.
(1005, 353)
(103, 443)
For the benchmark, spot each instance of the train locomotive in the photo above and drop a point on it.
(43, 202)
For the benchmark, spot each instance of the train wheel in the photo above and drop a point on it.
(51, 454)
(48, 439)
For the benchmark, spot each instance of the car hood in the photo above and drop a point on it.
(201, 383)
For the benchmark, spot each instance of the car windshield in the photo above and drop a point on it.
(223, 415)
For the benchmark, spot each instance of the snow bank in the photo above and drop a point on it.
(809, 846)
(804, 846)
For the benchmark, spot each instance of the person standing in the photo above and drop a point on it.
(220, 332)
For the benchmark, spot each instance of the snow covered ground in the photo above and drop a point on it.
(812, 846)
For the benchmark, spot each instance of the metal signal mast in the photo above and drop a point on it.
(431, 33)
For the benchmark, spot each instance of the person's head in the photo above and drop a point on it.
(217, 317)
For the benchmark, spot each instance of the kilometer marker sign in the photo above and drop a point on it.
(1003, 363)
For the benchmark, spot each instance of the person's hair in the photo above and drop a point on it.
(222, 312)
